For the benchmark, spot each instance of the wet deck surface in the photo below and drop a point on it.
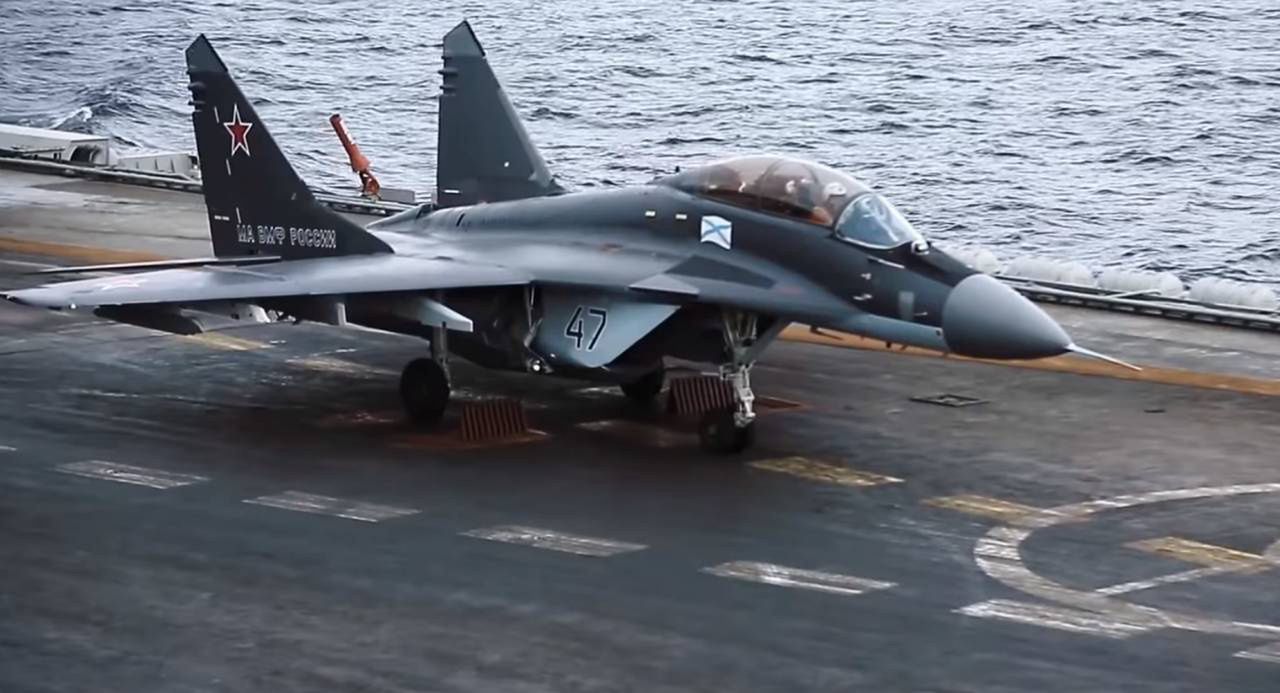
(245, 511)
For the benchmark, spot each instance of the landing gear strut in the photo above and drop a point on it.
(733, 430)
(424, 384)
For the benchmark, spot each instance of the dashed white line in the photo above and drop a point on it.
(1267, 653)
(782, 576)
(327, 505)
(1057, 618)
(8, 448)
(129, 474)
(554, 541)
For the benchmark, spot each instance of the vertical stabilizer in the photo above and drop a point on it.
(484, 153)
(257, 203)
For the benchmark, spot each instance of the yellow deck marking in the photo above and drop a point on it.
(329, 364)
(79, 253)
(1206, 555)
(1005, 511)
(1058, 364)
(826, 472)
(218, 340)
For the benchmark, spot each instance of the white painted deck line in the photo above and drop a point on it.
(8, 448)
(999, 554)
(328, 505)
(782, 576)
(1173, 579)
(1054, 617)
(129, 474)
(24, 263)
(554, 541)
(1267, 653)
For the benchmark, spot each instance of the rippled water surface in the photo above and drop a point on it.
(1133, 134)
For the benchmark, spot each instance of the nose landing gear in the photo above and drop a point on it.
(731, 431)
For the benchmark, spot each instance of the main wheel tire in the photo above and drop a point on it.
(646, 388)
(719, 433)
(424, 391)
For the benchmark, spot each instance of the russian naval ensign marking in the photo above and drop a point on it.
(717, 231)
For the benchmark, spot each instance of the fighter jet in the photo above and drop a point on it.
(509, 270)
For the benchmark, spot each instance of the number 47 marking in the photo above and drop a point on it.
(576, 329)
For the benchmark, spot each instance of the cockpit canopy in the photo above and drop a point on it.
(800, 190)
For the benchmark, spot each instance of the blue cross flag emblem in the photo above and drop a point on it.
(717, 231)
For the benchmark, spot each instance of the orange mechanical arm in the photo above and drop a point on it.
(359, 162)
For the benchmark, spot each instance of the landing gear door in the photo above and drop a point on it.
(590, 330)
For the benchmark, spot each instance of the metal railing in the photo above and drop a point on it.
(341, 203)
(1145, 303)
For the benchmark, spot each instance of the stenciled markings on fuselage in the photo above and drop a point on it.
(293, 236)
(576, 331)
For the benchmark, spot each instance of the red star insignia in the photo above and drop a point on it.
(238, 131)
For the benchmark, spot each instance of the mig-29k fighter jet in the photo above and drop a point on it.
(509, 270)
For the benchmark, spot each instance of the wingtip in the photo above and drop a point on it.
(16, 297)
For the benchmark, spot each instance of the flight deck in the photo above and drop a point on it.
(246, 510)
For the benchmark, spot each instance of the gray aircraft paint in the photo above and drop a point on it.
(483, 151)
(642, 254)
(585, 330)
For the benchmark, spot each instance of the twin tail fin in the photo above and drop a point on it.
(257, 204)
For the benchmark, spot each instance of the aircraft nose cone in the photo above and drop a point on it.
(986, 319)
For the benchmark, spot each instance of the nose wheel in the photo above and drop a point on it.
(720, 432)
(730, 431)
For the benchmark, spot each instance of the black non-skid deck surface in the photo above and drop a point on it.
(124, 587)
(1069, 534)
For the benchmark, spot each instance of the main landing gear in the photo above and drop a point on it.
(647, 387)
(424, 383)
(733, 430)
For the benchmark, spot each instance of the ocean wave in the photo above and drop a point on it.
(757, 58)
(1063, 133)
(546, 113)
(673, 141)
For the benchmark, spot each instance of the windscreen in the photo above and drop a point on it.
(872, 221)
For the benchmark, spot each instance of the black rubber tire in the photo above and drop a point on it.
(718, 433)
(424, 391)
(646, 388)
